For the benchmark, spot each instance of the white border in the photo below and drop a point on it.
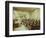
(11, 5)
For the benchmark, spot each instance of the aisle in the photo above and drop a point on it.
(21, 28)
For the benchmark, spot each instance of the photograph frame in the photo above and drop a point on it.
(7, 18)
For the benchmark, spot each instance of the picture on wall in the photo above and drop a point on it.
(24, 18)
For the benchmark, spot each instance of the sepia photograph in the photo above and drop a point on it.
(26, 18)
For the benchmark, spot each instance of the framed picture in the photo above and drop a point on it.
(24, 18)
